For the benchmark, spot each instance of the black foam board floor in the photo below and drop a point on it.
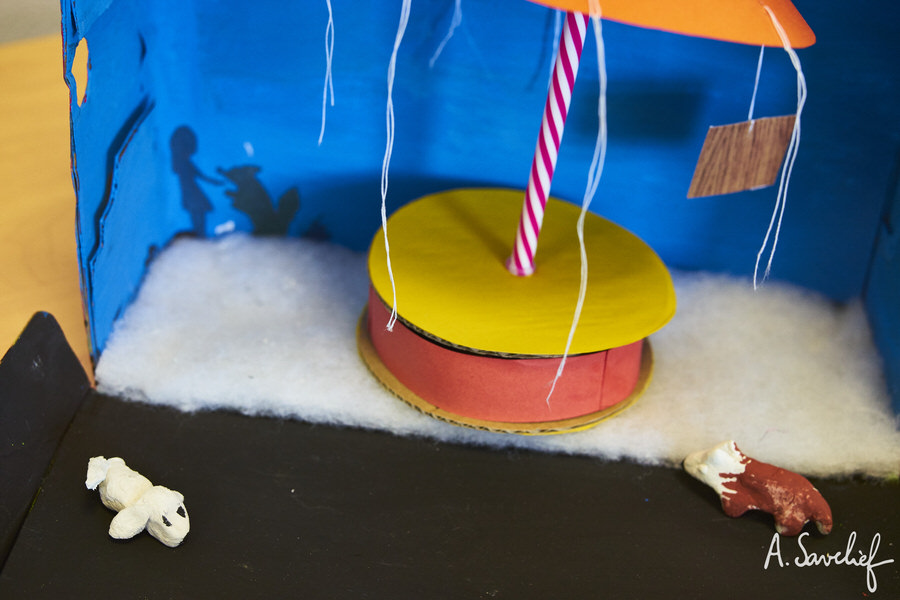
(288, 509)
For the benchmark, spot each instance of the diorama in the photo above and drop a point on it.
(555, 247)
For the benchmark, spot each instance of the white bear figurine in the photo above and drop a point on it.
(140, 504)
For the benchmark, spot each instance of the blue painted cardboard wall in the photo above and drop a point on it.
(192, 103)
(882, 289)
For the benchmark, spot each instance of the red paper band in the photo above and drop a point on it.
(491, 388)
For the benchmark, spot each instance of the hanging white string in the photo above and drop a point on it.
(780, 201)
(329, 56)
(454, 23)
(389, 148)
(558, 17)
(593, 181)
(759, 63)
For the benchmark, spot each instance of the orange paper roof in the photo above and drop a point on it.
(742, 21)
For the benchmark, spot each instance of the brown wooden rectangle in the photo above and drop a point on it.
(741, 156)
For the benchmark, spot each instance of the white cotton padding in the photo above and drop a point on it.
(267, 326)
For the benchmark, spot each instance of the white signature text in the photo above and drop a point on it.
(846, 557)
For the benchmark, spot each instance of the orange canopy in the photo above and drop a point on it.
(742, 21)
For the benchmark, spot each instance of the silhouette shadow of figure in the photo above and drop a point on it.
(252, 199)
(183, 145)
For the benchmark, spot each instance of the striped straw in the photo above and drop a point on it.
(558, 98)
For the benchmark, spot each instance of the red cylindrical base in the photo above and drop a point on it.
(492, 388)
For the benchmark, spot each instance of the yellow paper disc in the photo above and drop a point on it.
(448, 252)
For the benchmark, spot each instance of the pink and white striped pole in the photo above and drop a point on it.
(558, 98)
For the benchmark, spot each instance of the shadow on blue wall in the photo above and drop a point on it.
(183, 145)
(269, 217)
(248, 195)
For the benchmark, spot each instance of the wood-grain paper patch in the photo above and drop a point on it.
(741, 156)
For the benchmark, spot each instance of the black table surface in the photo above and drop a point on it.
(282, 508)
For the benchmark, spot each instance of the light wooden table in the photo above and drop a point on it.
(38, 264)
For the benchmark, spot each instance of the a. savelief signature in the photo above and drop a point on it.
(846, 557)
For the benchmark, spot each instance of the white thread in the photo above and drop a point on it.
(454, 23)
(389, 148)
(557, 32)
(759, 63)
(793, 146)
(329, 56)
(594, 172)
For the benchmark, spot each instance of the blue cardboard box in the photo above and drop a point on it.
(204, 116)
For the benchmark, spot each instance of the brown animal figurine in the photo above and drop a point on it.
(746, 484)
